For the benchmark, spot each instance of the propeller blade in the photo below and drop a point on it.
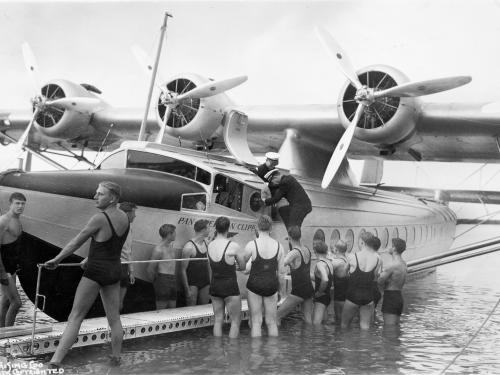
(338, 53)
(159, 137)
(31, 66)
(146, 62)
(212, 88)
(24, 136)
(341, 149)
(78, 104)
(421, 88)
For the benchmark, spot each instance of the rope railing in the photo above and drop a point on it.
(40, 266)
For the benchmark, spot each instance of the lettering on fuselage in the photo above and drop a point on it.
(183, 220)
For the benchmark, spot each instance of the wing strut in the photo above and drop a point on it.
(153, 77)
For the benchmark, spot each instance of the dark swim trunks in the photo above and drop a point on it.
(10, 255)
(165, 287)
(393, 302)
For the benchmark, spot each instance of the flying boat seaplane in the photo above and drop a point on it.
(378, 116)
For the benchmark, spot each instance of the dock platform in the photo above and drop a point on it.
(96, 331)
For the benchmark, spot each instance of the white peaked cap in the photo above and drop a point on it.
(270, 174)
(273, 156)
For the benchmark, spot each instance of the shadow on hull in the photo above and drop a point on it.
(59, 286)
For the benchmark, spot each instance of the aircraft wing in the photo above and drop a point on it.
(446, 195)
(450, 132)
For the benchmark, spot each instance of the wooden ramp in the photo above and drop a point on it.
(96, 331)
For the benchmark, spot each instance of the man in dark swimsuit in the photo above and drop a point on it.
(266, 278)
(10, 240)
(195, 274)
(108, 230)
(323, 280)
(340, 278)
(299, 204)
(299, 260)
(391, 280)
(364, 268)
(224, 255)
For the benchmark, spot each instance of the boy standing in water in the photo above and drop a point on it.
(163, 273)
(391, 280)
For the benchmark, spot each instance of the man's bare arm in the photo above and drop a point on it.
(92, 227)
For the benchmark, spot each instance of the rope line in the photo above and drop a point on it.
(133, 262)
(472, 338)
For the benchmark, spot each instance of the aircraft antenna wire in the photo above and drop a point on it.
(102, 143)
(472, 338)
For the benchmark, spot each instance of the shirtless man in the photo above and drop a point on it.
(364, 268)
(195, 274)
(127, 269)
(108, 230)
(10, 239)
(340, 278)
(163, 273)
(391, 280)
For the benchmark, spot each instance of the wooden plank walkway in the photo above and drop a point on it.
(96, 331)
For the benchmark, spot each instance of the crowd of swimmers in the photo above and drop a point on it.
(352, 280)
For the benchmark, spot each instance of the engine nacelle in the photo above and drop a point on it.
(388, 120)
(60, 123)
(192, 119)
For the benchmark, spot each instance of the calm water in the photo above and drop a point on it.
(443, 311)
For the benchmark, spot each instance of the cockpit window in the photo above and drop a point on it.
(146, 160)
(228, 192)
(116, 160)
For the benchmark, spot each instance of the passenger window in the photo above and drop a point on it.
(359, 238)
(228, 192)
(334, 239)
(403, 234)
(194, 201)
(395, 233)
(411, 236)
(319, 236)
(418, 234)
(349, 239)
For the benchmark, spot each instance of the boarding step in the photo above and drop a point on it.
(23, 330)
(96, 331)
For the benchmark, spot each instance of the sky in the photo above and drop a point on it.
(274, 43)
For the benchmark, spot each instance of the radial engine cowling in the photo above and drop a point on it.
(192, 118)
(385, 121)
(57, 122)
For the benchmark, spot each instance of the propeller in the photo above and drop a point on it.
(171, 98)
(368, 96)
